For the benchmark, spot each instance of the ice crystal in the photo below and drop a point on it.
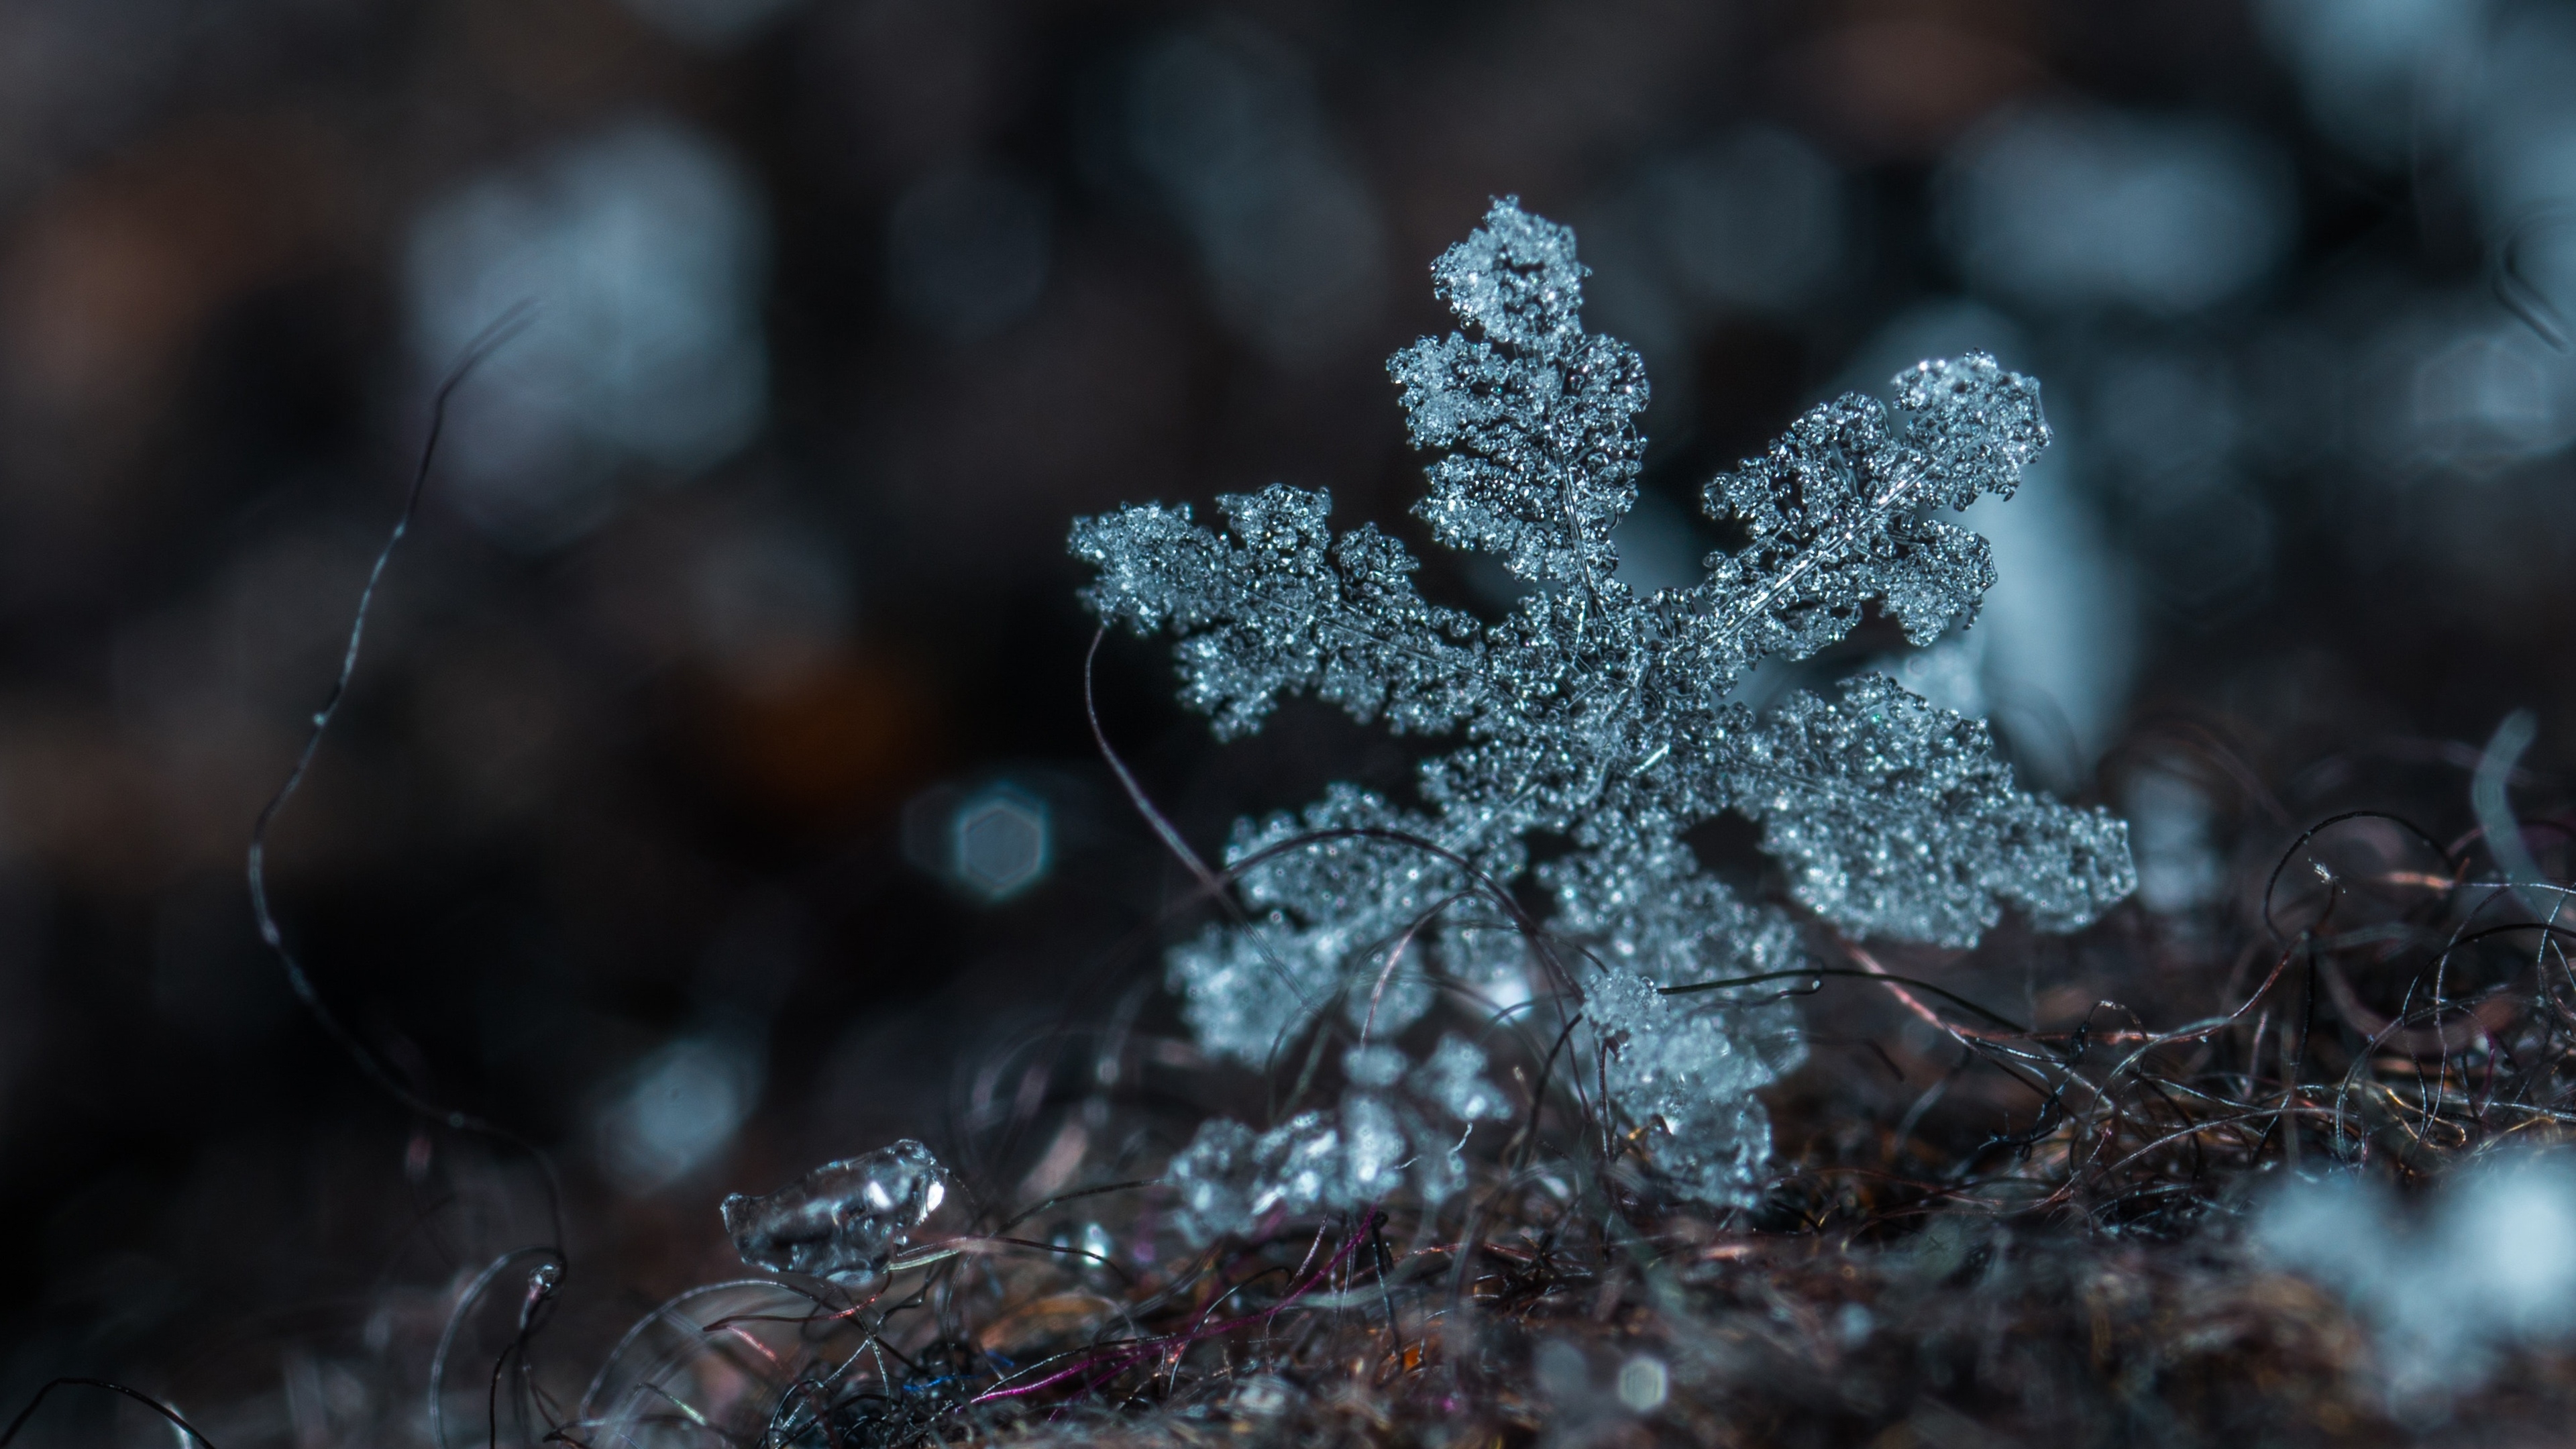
(1392, 1128)
(844, 1219)
(1600, 718)
(1686, 1076)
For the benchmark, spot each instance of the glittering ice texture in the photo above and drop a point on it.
(1535, 419)
(1600, 718)
(1685, 1075)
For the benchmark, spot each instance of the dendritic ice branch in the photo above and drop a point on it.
(1599, 718)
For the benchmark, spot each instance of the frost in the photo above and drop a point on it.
(844, 1219)
(1599, 717)
(1378, 1140)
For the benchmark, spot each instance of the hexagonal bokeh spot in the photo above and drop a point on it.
(999, 843)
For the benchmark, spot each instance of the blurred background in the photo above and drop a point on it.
(716, 792)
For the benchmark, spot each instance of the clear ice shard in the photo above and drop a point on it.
(844, 1219)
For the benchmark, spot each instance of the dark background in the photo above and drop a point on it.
(743, 574)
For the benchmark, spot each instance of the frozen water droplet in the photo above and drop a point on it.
(843, 1219)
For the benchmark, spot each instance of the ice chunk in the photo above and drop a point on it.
(844, 1219)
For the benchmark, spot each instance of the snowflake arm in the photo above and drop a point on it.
(1897, 820)
(1283, 606)
(1534, 418)
(1836, 511)
(1348, 904)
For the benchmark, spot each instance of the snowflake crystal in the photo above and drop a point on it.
(1599, 718)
